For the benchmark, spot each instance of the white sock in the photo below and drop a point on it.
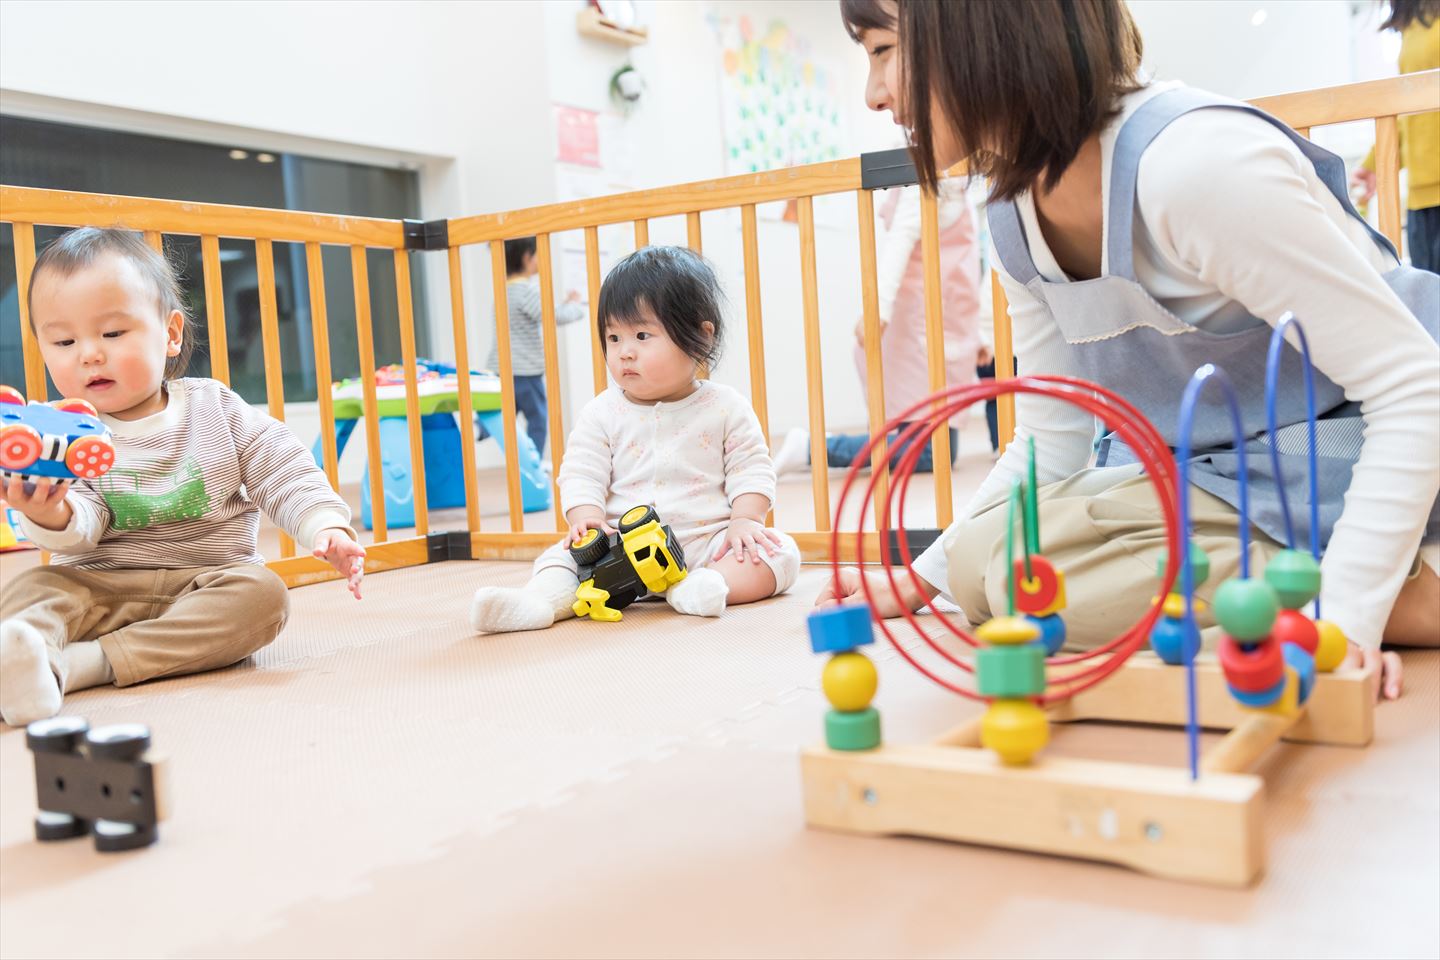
(28, 688)
(86, 666)
(701, 594)
(793, 454)
(548, 597)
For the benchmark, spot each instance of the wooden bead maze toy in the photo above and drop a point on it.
(1274, 676)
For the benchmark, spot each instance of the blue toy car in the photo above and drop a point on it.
(64, 440)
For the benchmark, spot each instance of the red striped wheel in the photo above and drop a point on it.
(1254, 670)
(11, 395)
(76, 405)
(20, 446)
(90, 457)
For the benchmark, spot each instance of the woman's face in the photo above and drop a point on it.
(884, 90)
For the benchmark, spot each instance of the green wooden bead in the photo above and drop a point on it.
(852, 730)
(1199, 565)
(1295, 576)
(1010, 671)
(1246, 609)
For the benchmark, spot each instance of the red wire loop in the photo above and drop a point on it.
(934, 413)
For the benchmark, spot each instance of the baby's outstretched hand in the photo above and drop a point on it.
(43, 504)
(745, 534)
(335, 547)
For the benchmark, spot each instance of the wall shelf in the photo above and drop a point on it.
(589, 22)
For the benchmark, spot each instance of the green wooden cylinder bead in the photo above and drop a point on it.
(1199, 565)
(1246, 609)
(1010, 671)
(852, 730)
(1295, 576)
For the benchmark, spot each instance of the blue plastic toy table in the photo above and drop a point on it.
(444, 466)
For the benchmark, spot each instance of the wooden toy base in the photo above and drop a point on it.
(1153, 819)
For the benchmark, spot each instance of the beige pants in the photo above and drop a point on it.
(1104, 530)
(151, 623)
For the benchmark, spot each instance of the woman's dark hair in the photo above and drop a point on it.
(1405, 12)
(1021, 84)
(678, 287)
(515, 253)
(80, 248)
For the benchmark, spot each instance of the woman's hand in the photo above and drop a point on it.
(887, 604)
(335, 547)
(746, 534)
(44, 505)
(1362, 185)
(1388, 662)
(860, 330)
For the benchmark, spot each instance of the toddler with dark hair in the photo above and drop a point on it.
(691, 448)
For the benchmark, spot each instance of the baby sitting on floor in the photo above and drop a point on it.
(692, 448)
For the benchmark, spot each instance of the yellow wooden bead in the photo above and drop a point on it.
(1332, 647)
(849, 681)
(1289, 702)
(1000, 630)
(1015, 730)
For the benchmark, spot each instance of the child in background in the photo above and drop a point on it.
(692, 449)
(157, 571)
(527, 347)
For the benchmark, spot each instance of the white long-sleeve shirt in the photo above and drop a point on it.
(1232, 220)
(186, 484)
(689, 459)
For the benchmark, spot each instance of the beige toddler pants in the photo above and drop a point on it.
(151, 623)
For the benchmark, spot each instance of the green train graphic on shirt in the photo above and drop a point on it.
(186, 499)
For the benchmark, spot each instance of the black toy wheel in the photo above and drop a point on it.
(114, 835)
(119, 741)
(637, 517)
(591, 548)
(56, 735)
(50, 825)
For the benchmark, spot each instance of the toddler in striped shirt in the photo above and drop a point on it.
(156, 570)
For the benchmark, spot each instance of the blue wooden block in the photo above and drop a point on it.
(1262, 699)
(1303, 663)
(839, 629)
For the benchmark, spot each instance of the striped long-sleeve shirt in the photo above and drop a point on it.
(186, 485)
(527, 350)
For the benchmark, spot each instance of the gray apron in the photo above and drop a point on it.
(1122, 339)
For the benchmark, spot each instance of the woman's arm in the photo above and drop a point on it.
(1247, 215)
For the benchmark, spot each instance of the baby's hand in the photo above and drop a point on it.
(1388, 663)
(44, 505)
(335, 547)
(746, 534)
(577, 529)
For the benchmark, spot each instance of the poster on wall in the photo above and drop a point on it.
(577, 136)
(779, 104)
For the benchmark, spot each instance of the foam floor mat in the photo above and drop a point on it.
(382, 782)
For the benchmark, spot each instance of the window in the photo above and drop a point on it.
(65, 157)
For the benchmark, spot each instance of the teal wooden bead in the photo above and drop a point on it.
(1199, 566)
(1295, 576)
(852, 730)
(1011, 671)
(1247, 608)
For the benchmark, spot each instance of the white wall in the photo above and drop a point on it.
(452, 89)
(675, 135)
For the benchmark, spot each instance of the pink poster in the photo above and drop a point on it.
(577, 136)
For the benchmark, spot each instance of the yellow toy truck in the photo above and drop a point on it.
(617, 569)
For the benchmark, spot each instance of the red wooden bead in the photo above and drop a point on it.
(1036, 594)
(1254, 670)
(1292, 626)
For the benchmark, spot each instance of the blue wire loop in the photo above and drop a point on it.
(1272, 378)
(1193, 390)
